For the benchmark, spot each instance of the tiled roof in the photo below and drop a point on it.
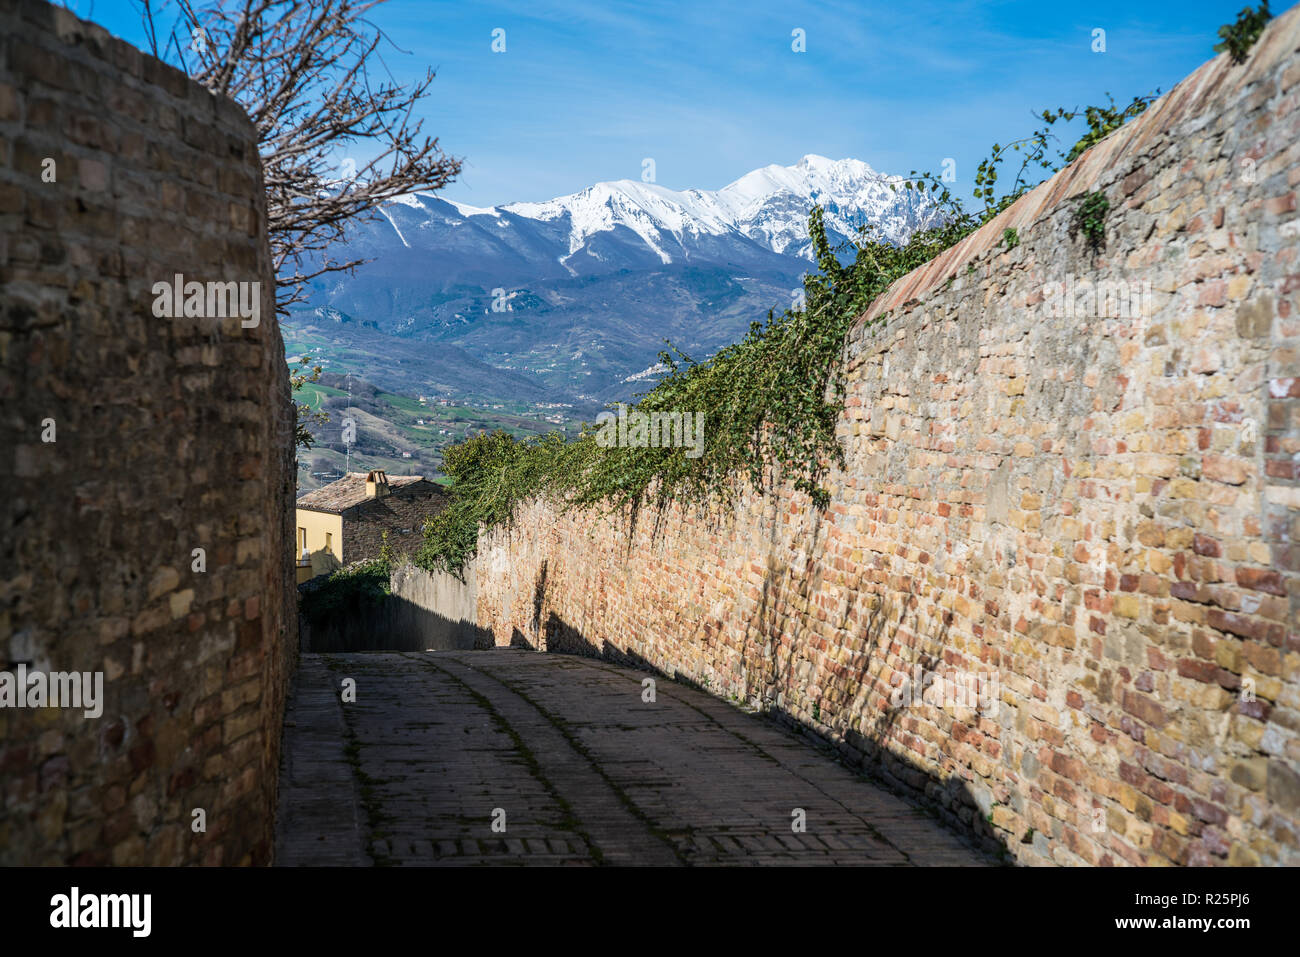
(338, 497)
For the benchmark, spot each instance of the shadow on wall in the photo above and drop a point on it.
(951, 801)
(323, 562)
(395, 624)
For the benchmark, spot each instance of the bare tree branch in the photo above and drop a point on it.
(301, 69)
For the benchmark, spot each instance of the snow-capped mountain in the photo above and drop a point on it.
(768, 206)
(580, 291)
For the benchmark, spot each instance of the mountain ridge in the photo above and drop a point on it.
(768, 205)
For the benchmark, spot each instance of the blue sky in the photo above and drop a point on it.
(586, 91)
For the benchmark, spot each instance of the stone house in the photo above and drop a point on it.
(345, 521)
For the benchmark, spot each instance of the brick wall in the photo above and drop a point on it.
(170, 435)
(1098, 512)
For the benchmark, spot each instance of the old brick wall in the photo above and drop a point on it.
(1098, 509)
(170, 435)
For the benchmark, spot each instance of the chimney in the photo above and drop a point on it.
(376, 483)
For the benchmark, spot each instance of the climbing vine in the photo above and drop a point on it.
(1240, 35)
(1090, 219)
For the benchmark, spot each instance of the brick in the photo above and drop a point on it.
(1221, 468)
(1261, 579)
(146, 454)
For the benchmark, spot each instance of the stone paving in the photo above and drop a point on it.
(441, 747)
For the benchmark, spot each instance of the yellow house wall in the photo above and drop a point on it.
(317, 524)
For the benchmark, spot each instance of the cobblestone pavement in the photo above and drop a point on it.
(564, 753)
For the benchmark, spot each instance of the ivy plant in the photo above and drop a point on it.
(1239, 36)
(1090, 219)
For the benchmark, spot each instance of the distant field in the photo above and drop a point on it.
(388, 424)
(312, 392)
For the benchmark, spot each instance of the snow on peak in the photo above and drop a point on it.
(768, 205)
(466, 210)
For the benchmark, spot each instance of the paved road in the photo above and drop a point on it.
(440, 748)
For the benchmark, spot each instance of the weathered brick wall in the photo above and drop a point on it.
(170, 435)
(1099, 512)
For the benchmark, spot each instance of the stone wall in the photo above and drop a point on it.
(129, 442)
(402, 514)
(1094, 508)
(424, 612)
